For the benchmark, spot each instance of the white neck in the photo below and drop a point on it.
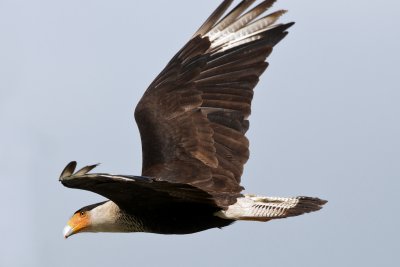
(103, 218)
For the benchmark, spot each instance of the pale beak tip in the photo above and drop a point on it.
(67, 231)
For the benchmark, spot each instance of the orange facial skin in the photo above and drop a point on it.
(78, 222)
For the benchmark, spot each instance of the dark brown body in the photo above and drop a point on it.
(182, 218)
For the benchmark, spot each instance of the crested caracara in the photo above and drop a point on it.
(192, 120)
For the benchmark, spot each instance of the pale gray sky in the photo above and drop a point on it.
(325, 123)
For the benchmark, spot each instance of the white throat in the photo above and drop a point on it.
(103, 218)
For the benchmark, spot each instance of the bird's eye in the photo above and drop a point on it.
(82, 213)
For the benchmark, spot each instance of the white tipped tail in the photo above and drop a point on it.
(259, 208)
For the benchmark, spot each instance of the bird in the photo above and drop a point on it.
(192, 121)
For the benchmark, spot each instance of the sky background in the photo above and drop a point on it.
(325, 123)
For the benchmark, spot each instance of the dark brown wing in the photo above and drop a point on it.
(126, 189)
(193, 117)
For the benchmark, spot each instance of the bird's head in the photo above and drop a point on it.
(86, 219)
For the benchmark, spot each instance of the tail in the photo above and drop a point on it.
(259, 208)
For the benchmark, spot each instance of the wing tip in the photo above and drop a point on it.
(290, 24)
(86, 169)
(68, 170)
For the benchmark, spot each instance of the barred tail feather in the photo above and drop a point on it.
(259, 208)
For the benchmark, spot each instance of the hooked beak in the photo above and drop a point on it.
(68, 231)
(76, 224)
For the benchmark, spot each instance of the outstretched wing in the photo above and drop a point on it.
(193, 117)
(125, 189)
